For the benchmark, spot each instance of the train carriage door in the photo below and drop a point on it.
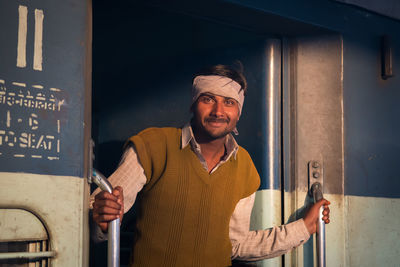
(45, 84)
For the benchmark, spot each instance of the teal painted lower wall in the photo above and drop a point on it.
(372, 231)
(364, 231)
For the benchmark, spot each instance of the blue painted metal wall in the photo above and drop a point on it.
(42, 107)
(371, 114)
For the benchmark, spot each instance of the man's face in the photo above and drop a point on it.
(215, 116)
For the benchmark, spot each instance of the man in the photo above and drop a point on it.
(197, 187)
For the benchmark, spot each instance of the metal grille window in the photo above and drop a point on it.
(24, 240)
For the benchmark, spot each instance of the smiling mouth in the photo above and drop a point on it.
(211, 120)
(217, 123)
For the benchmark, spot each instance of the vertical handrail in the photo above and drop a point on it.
(316, 190)
(113, 227)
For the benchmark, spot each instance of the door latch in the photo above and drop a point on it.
(315, 175)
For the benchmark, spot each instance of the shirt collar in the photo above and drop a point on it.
(188, 138)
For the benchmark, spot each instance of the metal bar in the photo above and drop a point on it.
(113, 227)
(271, 120)
(317, 194)
(27, 255)
(44, 248)
(269, 197)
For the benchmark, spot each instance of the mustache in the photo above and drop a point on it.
(211, 119)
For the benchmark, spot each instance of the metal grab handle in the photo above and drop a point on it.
(316, 190)
(113, 227)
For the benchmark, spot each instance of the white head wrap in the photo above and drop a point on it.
(217, 85)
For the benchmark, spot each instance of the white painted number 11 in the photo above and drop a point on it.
(38, 41)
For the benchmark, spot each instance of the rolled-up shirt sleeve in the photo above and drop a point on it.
(130, 176)
(262, 244)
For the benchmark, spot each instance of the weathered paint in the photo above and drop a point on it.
(45, 45)
(313, 130)
(318, 111)
(38, 46)
(20, 225)
(22, 32)
(62, 206)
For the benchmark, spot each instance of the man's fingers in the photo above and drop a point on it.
(108, 207)
(326, 212)
(118, 191)
(105, 195)
(103, 226)
(106, 203)
(322, 202)
(105, 218)
(312, 215)
(107, 210)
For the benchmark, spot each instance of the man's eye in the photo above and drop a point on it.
(230, 102)
(206, 99)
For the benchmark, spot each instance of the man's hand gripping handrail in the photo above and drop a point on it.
(113, 226)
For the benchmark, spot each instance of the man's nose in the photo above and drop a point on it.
(218, 109)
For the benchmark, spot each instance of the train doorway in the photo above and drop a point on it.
(154, 53)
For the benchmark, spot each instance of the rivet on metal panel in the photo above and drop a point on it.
(315, 164)
(315, 173)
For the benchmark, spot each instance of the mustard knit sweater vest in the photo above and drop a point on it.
(184, 212)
